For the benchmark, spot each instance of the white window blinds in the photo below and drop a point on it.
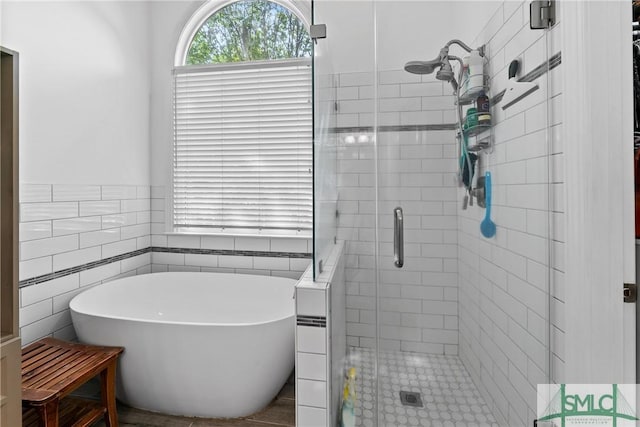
(243, 146)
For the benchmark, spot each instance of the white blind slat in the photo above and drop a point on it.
(243, 147)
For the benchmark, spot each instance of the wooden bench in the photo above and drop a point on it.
(51, 369)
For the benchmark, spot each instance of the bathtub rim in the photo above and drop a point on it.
(74, 302)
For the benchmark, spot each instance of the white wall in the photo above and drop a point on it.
(167, 20)
(84, 90)
(84, 148)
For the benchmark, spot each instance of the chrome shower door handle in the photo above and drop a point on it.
(398, 238)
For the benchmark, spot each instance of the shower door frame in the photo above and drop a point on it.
(598, 136)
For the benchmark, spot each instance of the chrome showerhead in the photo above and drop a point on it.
(422, 67)
(445, 72)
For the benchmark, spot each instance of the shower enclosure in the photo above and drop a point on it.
(447, 321)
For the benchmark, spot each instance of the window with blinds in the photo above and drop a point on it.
(243, 146)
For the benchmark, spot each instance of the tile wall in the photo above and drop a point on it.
(66, 226)
(246, 255)
(416, 170)
(504, 281)
(76, 236)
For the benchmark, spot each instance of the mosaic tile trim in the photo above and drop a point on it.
(82, 267)
(232, 252)
(394, 128)
(315, 321)
(72, 270)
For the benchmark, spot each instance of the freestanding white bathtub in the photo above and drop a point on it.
(196, 344)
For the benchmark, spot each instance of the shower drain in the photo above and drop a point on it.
(411, 398)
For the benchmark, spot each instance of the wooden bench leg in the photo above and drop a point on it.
(49, 413)
(108, 385)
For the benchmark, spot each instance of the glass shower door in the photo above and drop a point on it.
(462, 309)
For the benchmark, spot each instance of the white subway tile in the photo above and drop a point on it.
(183, 241)
(217, 242)
(400, 104)
(71, 193)
(45, 327)
(311, 339)
(312, 393)
(119, 220)
(312, 366)
(143, 242)
(76, 225)
(299, 264)
(311, 417)
(135, 205)
(118, 248)
(35, 312)
(35, 267)
(235, 261)
(311, 302)
(252, 243)
(46, 290)
(160, 241)
(45, 211)
(118, 192)
(99, 274)
(30, 193)
(420, 89)
(356, 79)
(201, 260)
(167, 258)
(270, 263)
(35, 230)
(135, 262)
(355, 106)
(44, 247)
(99, 208)
(76, 258)
(143, 192)
(132, 231)
(395, 76)
(95, 238)
(143, 217)
(157, 192)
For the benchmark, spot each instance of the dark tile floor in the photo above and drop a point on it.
(280, 412)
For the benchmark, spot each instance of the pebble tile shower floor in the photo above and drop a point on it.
(450, 398)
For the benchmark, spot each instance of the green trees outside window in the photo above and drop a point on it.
(249, 30)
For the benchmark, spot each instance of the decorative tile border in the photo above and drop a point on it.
(68, 271)
(394, 128)
(72, 270)
(231, 252)
(315, 321)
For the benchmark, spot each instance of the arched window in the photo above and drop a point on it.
(243, 121)
(249, 30)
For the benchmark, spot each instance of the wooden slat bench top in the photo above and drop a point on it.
(51, 369)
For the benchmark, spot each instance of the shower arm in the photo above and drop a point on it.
(464, 46)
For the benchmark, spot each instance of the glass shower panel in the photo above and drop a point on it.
(324, 145)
